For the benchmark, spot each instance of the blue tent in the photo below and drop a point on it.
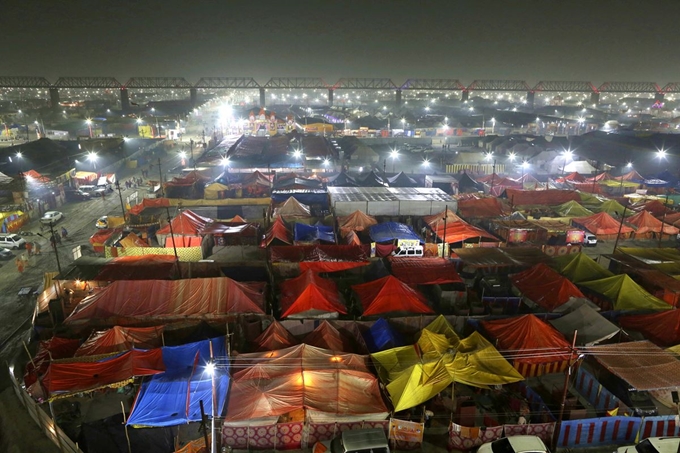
(381, 336)
(173, 398)
(313, 233)
(389, 231)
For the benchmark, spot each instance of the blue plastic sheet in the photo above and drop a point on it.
(381, 336)
(313, 233)
(389, 231)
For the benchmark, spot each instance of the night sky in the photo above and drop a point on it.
(593, 40)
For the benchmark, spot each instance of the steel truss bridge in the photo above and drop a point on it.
(316, 83)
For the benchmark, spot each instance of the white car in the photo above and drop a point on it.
(516, 444)
(653, 445)
(51, 217)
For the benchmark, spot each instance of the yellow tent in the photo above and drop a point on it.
(580, 268)
(414, 375)
(212, 191)
(625, 294)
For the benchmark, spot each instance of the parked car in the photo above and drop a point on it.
(77, 195)
(589, 240)
(356, 441)
(6, 254)
(51, 217)
(515, 444)
(653, 445)
(12, 241)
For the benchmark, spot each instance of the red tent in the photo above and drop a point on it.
(320, 258)
(487, 178)
(474, 208)
(390, 295)
(673, 219)
(424, 271)
(450, 216)
(310, 296)
(573, 177)
(545, 287)
(656, 207)
(604, 176)
(632, 175)
(328, 337)
(356, 221)
(275, 337)
(35, 175)
(278, 231)
(462, 231)
(550, 197)
(649, 226)
(53, 349)
(118, 339)
(187, 223)
(603, 225)
(149, 203)
(663, 328)
(534, 346)
(133, 302)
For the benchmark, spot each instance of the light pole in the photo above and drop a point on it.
(89, 126)
(21, 162)
(139, 123)
(394, 154)
(92, 157)
(493, 125)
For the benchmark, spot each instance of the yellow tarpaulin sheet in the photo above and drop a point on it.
(580, 268)
(625, 294)
(212, 191)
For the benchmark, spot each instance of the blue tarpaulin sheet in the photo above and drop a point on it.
(381, 336)
(313, 233)
(389, 231)
(173, 398)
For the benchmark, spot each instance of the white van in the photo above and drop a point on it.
(12, 241)
(356, 441)
(410, 251)
(515, 444)
(589, 240)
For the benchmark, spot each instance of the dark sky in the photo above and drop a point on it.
(532, 40)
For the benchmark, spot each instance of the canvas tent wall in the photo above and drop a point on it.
(620, 292)
(590, 326)
(390, 295)
(544, 287)
(310, 296)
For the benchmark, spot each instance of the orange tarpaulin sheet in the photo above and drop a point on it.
(75, 377)
(118, 339)
(550, 197)
(182, 241)
(310, 294)
(275, 337)
(150, 203)
(663, 328)
(277, 231)
(538, 347)
(462, 231)
(356, 221)
(186, 223)
(390, 295)
(602, 224)
(424, 271)
(481, 208)
(545, 287)
(450, 216)
(328, 337)
(645, 222)
(128, 302)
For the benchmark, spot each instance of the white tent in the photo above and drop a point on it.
(581, 166)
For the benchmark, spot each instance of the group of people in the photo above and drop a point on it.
(134, 182)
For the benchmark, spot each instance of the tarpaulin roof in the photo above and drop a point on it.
(173, 398)
(257, 178)
(342, 179)
(149, 203)
(356, 221)
(381, 336)
(126, 302)
(645, 222)
(402, 180)
(642, 364)
(309, 295)
(545, 287)
(551, 197)
(211, 192)
(450, 216)
(412, 378)
(572, 209)
(424, 271)
(591, 326)
(76, 377)
(611, 207)
(604, 176)
(118, 339)
(274, 337)
(132, 240)
(320, 258)
(175, 240)
(187, 223)
(662, 328)
(372, 180)
(325, 383)
(462, 231)
(580, 268)
(292, 208)
(529, 342)
(390, 295)
(574, 176)
(625, 294)
(389, 231)
(35, 175)
(313, 233)
(481, 208)
(656, 207)
(632, 175)
(602, 223)
(326, 336)
(53, 349)
(664, 259)
(233, 228)
(278, 231)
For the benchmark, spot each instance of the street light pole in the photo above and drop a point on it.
(160, 180)
(120, 196)
(54, 242)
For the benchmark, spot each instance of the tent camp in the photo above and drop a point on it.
(310, 296)
(320, 258)
(662, 328)
(611, 207)
(590, 326)
(572, 208)
(550, 197)
(580, 268)
(603, 225)
(538, 348)
(130, 302)
(277, 234)
(118, 339)
(274, 337)
(632, 175)
(434, 219)
(303, 383)
(647, 226)
(622, 293)
(292, 209)
(544, 287)
(174, 397)
(215, 191)
(327, 336)
(372, 180)
(356, 221)
(461, 231)
(390, 295)
(186, 223)
(342, 179)
(424, 271)
(481, 208)
(402, 180)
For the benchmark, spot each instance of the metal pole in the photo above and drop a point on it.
(444, 245)
(493, 174)
(618, 235)
(213, 443)
(160, 178)
(205, 431)
(120, 195)
(56, 252)
(565, 391)
(172, 236)
(663, 219)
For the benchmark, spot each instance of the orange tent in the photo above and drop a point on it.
(187, 223)
(119, 339)
(278, 231)
(536, 346)
(309, 295)
(603, 225)
(550, 197)
(450, 216)
(275, 337)
(647, 226)
(328, 337)
(462, 231)
(663, 328)
(390, 295)
(474, 208)
(545, 287)
(356, 221)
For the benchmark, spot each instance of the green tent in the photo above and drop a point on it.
(572, 209)
(625, 294)
(580, 268)
(613, 208)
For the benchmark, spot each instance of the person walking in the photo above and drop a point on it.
(64, 232)
(29, 248)
(36, 246)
